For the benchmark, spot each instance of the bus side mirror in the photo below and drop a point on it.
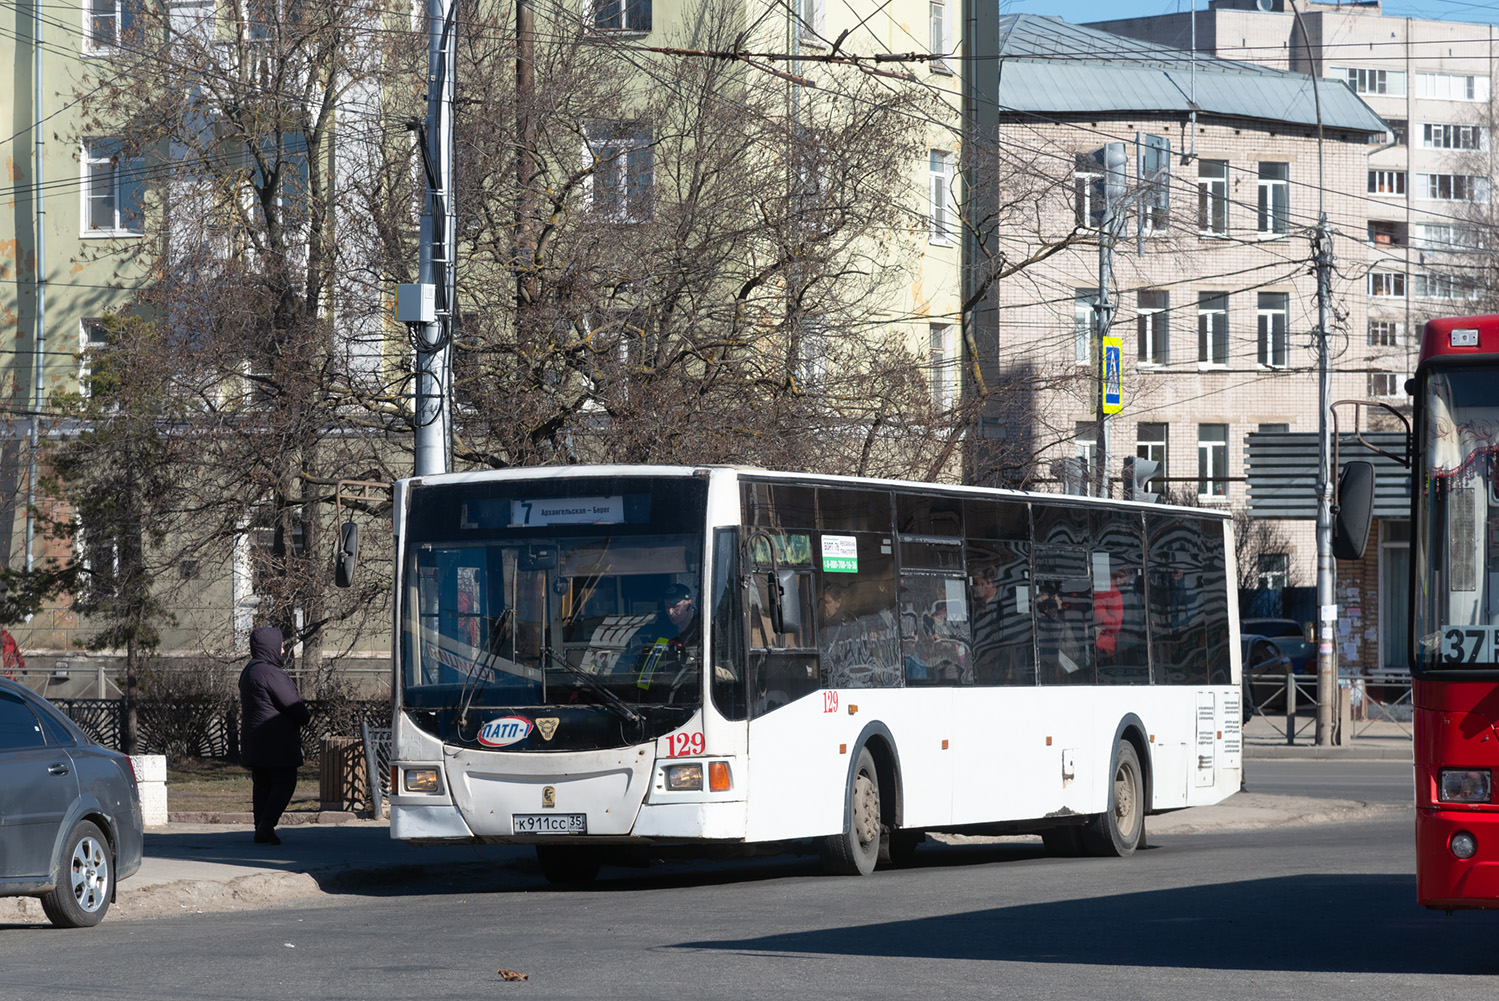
(348, 555)
(785, 601)
(777, 607)
(1354, 510)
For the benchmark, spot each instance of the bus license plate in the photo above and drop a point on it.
(550, 823)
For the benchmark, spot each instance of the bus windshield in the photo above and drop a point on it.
(573, 593)
(1457, 514)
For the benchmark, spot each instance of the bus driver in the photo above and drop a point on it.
(664, 640)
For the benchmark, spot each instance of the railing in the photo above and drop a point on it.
(209, 728)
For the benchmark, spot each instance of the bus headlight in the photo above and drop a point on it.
(422, 780)
(1464, 785)
(1463, 845)
(684, 778)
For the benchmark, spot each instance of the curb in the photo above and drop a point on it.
(333, 817)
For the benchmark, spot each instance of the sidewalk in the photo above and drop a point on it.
(1373, 740)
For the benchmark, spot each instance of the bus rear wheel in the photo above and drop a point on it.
(1120, 829)
(857, 849)
(568, 865)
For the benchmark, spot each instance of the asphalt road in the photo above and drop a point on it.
(1370, 781)
(1322, 911)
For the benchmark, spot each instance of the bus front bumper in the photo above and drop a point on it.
(1446, 882)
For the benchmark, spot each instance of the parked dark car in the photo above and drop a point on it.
(70, 812)
(1289, 636)
(1264, 661)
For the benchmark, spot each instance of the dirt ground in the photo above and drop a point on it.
(211, 785)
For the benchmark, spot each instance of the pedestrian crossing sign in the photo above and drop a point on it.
(1113, 381)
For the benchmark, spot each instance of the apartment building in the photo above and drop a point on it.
(1424, 217)
(1223, 180)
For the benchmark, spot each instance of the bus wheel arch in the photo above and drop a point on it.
(1120, 829)
(872, 805)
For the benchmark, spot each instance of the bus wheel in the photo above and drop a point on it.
(1120, 829)
(857, 849)
(565, 865)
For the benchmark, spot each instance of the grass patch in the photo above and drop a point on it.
(208, 784)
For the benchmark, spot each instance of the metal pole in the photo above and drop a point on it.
(1105, 310)
(433, 357)
(1327, 609)
(39, 341)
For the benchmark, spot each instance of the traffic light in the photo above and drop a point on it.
(1137, 473)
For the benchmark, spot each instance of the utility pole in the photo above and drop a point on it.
(1327, 609)
(1114, 180)
(433, 333)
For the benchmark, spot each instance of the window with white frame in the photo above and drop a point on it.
(1385, 384)
(1212, 328)
(1212, 197)
(1443, 286)
(1153, 166)
(1387, 284)
(943, 365)
(1087, 191)
(1084, 324)
(92, 339)
(1452, 87)
(1435, 135)
(1274, 329)
(107, 23)
(622, 159)
(1152, 326)
(1386, 333)
(1452, 187)
(813, 352)
(1368, 80)
(1387, 182)
(1212, 460)
(810, 15)
(1150, 443)
(113, 188)
(1272, 570)
(939, 35)
(1274, 215)
(621, 15)
(1449, 237)
(1086, 452)
(1399, 129)
(939, 185)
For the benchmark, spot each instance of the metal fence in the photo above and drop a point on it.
(209, 728)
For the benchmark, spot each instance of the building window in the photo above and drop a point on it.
(92, 339)
(942, 359)
(1087, 191)
(1449, 237)
(1212, 328)
(1385, 384)
(1437, 286)
(939, 35)
(1086, 433)
(810, 14)
(623, 163)
(1442, 136)
(1386, 234)
(1452, 187)
(1387, 284)
(1272, 570)
(1275, 198)
(1152, 327)
(1390, 83)
(1212, 197)
(1386, 182)
(1150, 443)
(1397, 136)
(1274, 331)
(1155, 179)
(107, 22)
(622, 15)
(1212, 460)
(939, 173)
(1084, 324)
(1452, 87)
(114, 188)
(1386, 333)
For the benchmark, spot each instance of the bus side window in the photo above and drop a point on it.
(783, 666)
(856, 619)
(1178, 652)
(1000, 614)
(1119, 600)
(934, 634)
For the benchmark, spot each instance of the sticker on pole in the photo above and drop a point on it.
(840, 554)
(1113, 379)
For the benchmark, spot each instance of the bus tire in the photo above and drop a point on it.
(568, 865)
(1120, 829)
(857, 849)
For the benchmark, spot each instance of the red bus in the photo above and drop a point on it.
(1454, 636)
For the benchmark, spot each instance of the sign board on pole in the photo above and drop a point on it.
(1113, 380)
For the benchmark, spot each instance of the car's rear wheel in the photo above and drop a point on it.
(81, 897)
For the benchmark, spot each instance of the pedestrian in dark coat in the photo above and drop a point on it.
(270, 735)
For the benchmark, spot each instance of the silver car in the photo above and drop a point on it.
(70, 813)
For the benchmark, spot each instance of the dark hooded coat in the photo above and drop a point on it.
(273, 713)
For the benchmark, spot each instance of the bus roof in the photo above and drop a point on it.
(829, 479)
(1460, 337)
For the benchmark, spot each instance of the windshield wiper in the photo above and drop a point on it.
(466, 694)
(596, 686)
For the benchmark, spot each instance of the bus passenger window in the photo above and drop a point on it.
(856, 627)
(934, 633)
(1063, 612)
(1000, 614)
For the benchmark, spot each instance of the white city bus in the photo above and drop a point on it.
(866, 661)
